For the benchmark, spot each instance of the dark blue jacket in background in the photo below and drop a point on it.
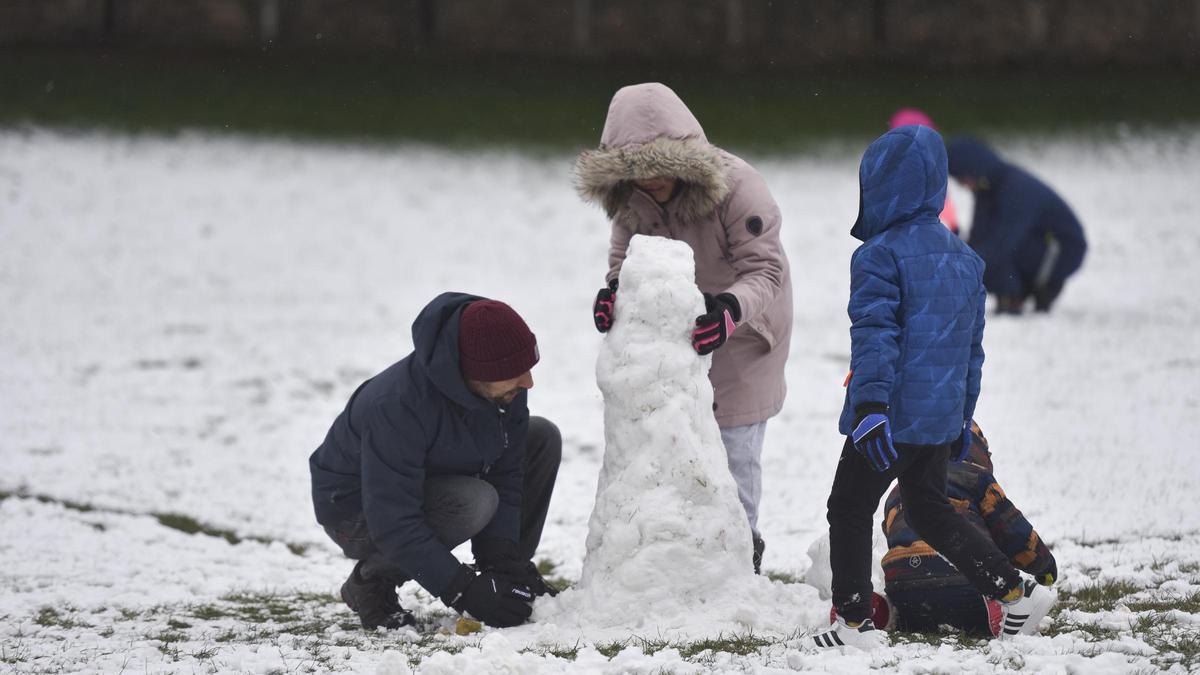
(916, 296)
(413, 420)
(1015, 215)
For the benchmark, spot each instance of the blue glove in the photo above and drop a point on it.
(872, 439)
(961, 446)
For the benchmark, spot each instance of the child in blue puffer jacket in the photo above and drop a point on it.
(916, 311)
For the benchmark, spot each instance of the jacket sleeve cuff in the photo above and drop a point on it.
(492, 549)
(462, 578)
(735, 307)
(436, 576)
(870, 408)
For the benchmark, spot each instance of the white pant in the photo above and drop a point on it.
(743, 448)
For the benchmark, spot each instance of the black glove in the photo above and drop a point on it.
(1048, 576)
(713, 328)
(489, 598)
(605, 305)
(1044, 297)
(500, 556)
(524, 573)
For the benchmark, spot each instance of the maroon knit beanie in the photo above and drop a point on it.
(494, 343)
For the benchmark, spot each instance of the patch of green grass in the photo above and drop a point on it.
(208, 612)
(1189, 604)
(52, 618)
(189, 525)
(953, 638)
(546, 567)
(1101, 597)
(1175, 642)
(738, 644)
(205, 653)
(568, 653)
(168, 637)
(45, 499)
(558, 104)
(1093, 632)
(785, 577)
(610, 649)
(175, 521)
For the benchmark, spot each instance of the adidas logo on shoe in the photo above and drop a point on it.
(864, 636)
(1022, 616)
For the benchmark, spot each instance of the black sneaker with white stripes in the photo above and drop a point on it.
(1021, 616)
(864, 636)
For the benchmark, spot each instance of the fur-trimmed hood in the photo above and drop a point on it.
(650, 133)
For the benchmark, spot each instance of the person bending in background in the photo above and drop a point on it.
(437, 449)
(1028, 236)
(923, 588)
(906, 116)
(655, 173)
(916, 356)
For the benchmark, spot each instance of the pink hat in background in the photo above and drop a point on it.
(906, 116)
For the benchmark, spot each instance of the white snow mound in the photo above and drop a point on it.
(668, 544)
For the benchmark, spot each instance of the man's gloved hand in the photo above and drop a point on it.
(713, 328)
(605, 305)
(489, 598)
(1048, 576)
(961, 446)
(522, 572)
(500, 556)
(872, 438)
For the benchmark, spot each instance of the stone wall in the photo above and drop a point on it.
(727, 32)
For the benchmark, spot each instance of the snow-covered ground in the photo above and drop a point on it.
(183, 317)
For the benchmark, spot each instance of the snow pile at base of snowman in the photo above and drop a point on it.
(668, 544)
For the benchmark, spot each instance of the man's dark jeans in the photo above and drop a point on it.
(921, 470)
(458, 507)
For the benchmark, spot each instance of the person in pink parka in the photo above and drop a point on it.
(906, 116)
(655, 173)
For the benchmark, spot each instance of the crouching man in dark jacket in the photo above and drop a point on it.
(437, 449)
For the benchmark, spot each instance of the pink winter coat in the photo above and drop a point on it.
(724, 211)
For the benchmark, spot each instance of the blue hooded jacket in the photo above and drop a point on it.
(916, 296)
(1016, 218)
(415, 419)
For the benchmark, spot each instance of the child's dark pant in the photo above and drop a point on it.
(921, 471)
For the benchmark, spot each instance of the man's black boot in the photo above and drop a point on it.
(375, 601)
(759, 547)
